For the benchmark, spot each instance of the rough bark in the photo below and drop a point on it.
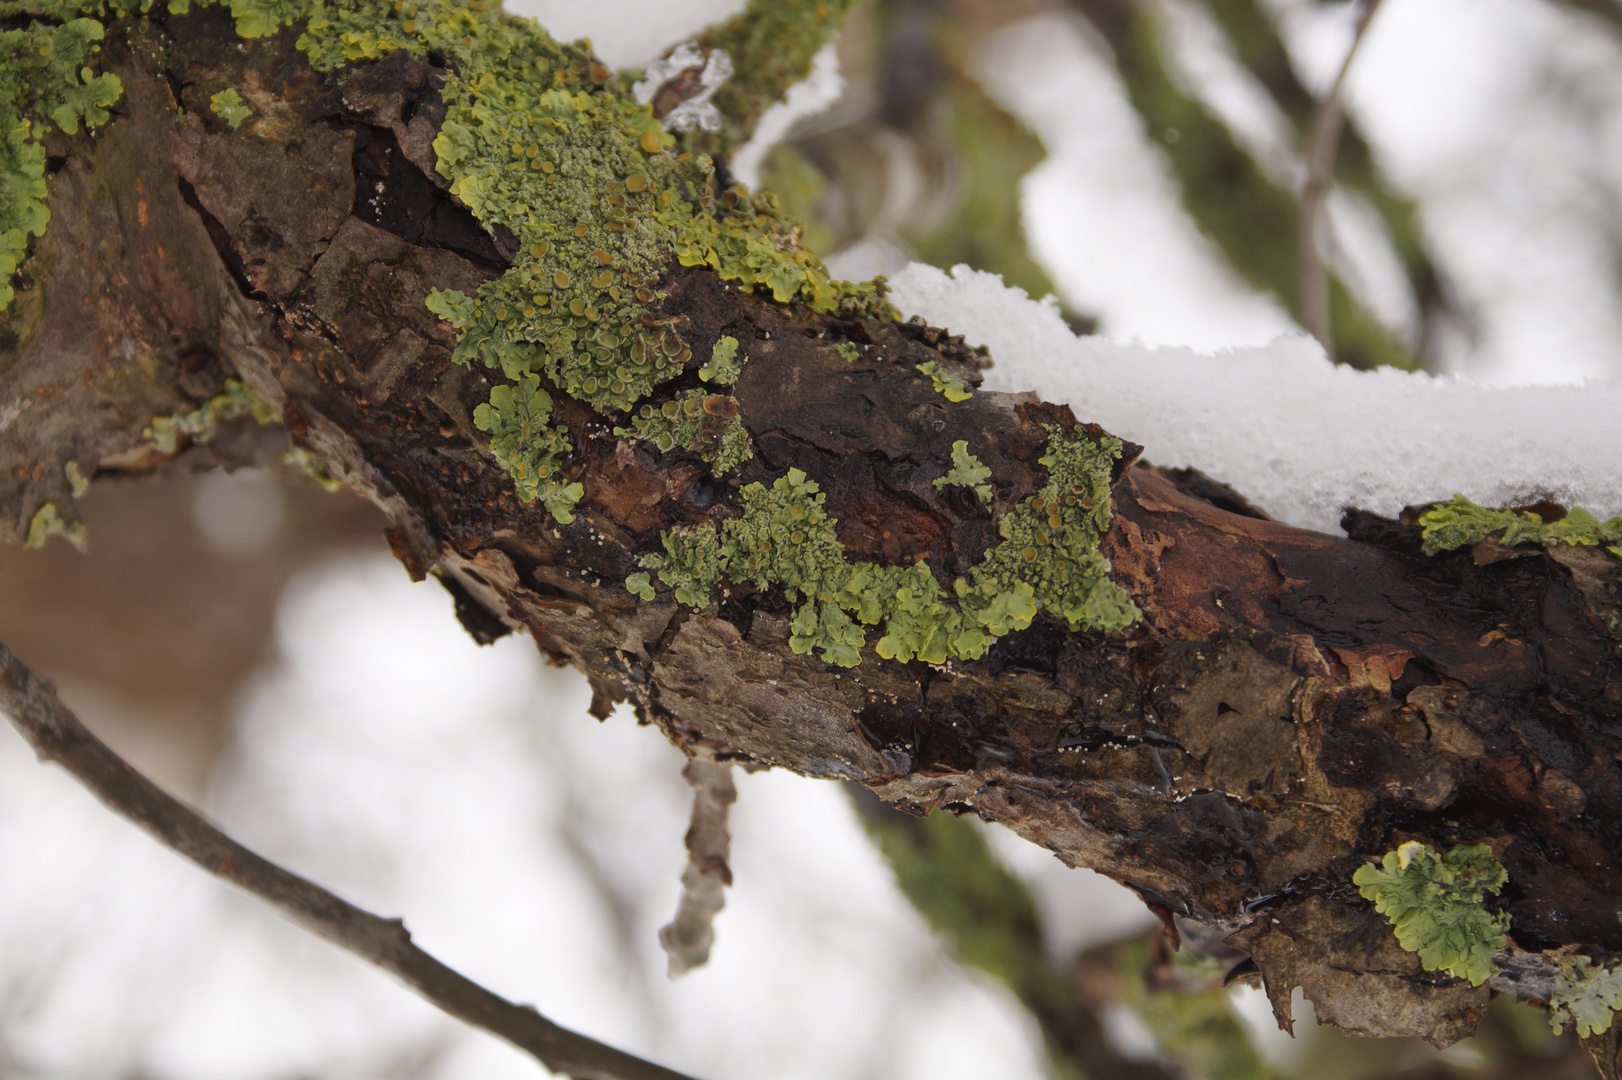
(1290, 705)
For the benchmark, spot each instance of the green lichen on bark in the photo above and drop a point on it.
(1434, 903)
(945, 385)
(783, 538)
(229, 106)
(233, 402)
(527, 446)
(1459, 522)
(45, 77)
(725, 364)
(967, 471)
(1584, 994)
(1050, 540)
(695, 420)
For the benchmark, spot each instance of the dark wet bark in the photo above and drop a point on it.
(1291, 705)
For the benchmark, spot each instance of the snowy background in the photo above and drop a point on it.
(538, 851)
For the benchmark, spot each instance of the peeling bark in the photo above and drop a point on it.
(687, 938)
(1291, 704)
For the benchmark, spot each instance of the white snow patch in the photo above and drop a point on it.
(1300, 437)
(698, 111)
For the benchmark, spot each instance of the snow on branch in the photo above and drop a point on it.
(1300, 437)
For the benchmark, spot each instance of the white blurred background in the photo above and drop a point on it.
(378, 751)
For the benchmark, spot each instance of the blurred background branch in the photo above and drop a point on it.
(56, 735)
(1323, 144)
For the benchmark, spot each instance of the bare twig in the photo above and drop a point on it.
(57, 735)
(688, 937)
(1325, 137)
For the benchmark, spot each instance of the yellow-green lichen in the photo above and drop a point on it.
(967, 471)
(78, 483)
(48, 522)
(848, 352)
(783, 538)
(1458, 522)
(296, 457)
(951, 388)
(233, 402)
(527, 446)
(1434, 904)
(538, 138)
(1050, 540)
(725, 365)
(44, 77)
(1586, 995)
(695, 420)
(229, 106)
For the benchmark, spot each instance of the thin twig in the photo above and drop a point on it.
(688, 937)
(1321, 145)
(57, 735)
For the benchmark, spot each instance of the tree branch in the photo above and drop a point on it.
(56, 734)
(1288, 705)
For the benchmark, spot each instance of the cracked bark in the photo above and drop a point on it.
(1290, 705)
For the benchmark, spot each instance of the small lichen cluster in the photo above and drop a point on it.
(784, 538)
(1434, 903)
(233, 402)
(229, 106)
(696, 420)
(699, 420)
(967, 471)
(538, 139)
(1050, 540)
(48, 522)
(1586, 995)
(950, 388)
(1458, 522)
(725, 364)
(527, 446)
(44, 78)
(296, 457)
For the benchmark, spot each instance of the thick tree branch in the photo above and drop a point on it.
(1288, 706)
(57, 735)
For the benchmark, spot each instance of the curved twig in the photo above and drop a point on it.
(56, 734)
(1325, 137)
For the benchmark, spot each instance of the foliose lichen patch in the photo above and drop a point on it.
(1584, 994)
(1458, 522)
(234, 401)
(538, 138)
(1048, 560)
(45, 79)
(967, 471)
(1434, 904)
